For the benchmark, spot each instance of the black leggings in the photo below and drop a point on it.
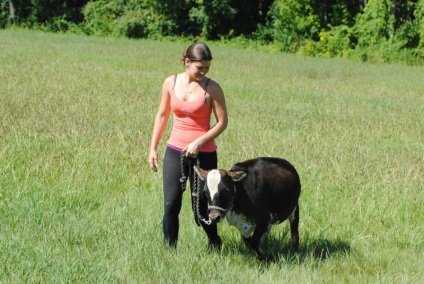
(173, 192)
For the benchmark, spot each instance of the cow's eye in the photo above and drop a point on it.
(225, 194)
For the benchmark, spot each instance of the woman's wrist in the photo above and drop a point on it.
(198, 144)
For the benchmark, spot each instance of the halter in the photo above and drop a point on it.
(220, 208)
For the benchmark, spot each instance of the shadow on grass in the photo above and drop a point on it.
(319, 249)
(280, 249)
(322, 249)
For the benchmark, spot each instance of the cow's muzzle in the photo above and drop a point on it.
(215, 216)
(216, 213)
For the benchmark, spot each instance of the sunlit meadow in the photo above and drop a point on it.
(79, 204)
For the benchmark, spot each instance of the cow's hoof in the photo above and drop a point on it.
(295, 249)
(269, 258)
(265, 258)
(248, 242)
(215, 244)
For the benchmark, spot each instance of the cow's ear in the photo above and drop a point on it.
(237, 175)
(201, 173)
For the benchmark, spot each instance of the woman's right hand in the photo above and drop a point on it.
(153, 160)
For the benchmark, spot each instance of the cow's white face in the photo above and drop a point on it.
(220, 191)
(213, 180)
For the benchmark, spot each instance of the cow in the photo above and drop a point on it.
(254, 195)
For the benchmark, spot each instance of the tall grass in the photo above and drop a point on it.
(78, 202)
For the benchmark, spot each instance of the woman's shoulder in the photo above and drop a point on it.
(213, 87)
(170, 79)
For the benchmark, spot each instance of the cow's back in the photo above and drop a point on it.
(270, 188)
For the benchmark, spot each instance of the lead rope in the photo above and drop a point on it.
(195, 193)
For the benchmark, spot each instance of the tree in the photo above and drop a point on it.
(293, 21)
(336, 12)
(12, 9)
(218, 18)
(248, 14)
(419, 16)
(376, 24)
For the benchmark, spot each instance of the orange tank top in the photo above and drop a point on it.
(191, 120)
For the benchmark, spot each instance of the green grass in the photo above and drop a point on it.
(79, 204)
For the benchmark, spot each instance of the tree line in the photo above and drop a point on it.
(368, 30)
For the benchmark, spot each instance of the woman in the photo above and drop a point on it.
(192, 97)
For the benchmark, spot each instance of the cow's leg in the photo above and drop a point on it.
(262, 242)
(211, 230)
(294, 228)
(258, 239)
(214, 241)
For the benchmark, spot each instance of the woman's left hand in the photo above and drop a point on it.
(193, 149)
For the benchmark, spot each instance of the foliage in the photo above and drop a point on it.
(199, 21)
(333, 13)
(292, 22)
(320, 28)
(248, 15)
(4, 13)
(419, 16)
(408, 35)
(130, 19)
(332, 43)
(100, 16)
(218, 18)
(375, 25)
(38, 12)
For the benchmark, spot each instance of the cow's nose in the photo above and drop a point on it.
(215, 217)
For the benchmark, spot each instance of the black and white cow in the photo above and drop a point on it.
(253, 196)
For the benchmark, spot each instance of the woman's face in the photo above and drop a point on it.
(198, 69)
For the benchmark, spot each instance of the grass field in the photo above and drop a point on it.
(79, 204)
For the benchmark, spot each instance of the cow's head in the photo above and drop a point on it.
(219, 190)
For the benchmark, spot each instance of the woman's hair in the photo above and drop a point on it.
(197, 51)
